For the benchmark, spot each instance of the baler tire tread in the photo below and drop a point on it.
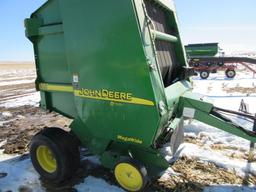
(71, 143)
(68, 140)
(65, 151)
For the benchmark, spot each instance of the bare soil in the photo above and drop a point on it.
(25, 122)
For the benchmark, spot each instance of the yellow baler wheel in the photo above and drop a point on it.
(129, 176)
(46, 159)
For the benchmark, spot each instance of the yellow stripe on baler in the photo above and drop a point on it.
(59, 88)
(79, 93)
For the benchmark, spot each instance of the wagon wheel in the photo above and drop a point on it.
(221, 63)
(196, 64)
(230, 73)
(204, 74)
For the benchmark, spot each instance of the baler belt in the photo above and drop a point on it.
(165, 41)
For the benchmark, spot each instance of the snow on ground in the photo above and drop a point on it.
(92, 184)
(17, 86)
(214, 88)
(18, 82)
(205, 153)
(29, 99)
(18, 174)
(21, 175)
(228, 188)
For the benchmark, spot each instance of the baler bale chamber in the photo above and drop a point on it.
(118, 69)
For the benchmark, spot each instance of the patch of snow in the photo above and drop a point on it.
(214, 88)
(10, 73)
(3, 143)
(216, 84)
(19, 173)
(31, 99)
(92, 184)
(16, 82)
(6, 114)
(233, 102)
(205, 153)
(167, 174)
(229, 188)
(211, 135)
(15, 78)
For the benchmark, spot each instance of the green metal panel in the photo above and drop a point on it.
(45, 30)
(207, 49)
(107, 54)
(49, 12)
(96, 63)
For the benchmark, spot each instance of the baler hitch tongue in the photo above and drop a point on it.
(217, 112)
(247, 132)
(193, 106)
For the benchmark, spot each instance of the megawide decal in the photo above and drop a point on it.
(103, 94)
(114, 96)
(129, 139)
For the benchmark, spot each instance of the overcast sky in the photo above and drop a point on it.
(229, 22)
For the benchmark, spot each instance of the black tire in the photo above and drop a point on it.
(196, 64)
(204, 74)
(214, 71)
(64, 150)
(220, 64)
(209, 64)
(141, 170)
(230, 73)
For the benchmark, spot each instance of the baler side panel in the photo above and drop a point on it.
(106, 54)
(49, 12)
(50, 56)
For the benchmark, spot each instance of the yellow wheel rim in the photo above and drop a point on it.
(46, 159)
(128, 177)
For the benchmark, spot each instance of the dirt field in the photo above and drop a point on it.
(21, 118)
(20, 122)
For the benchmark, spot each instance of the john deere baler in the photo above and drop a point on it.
(118, 69)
